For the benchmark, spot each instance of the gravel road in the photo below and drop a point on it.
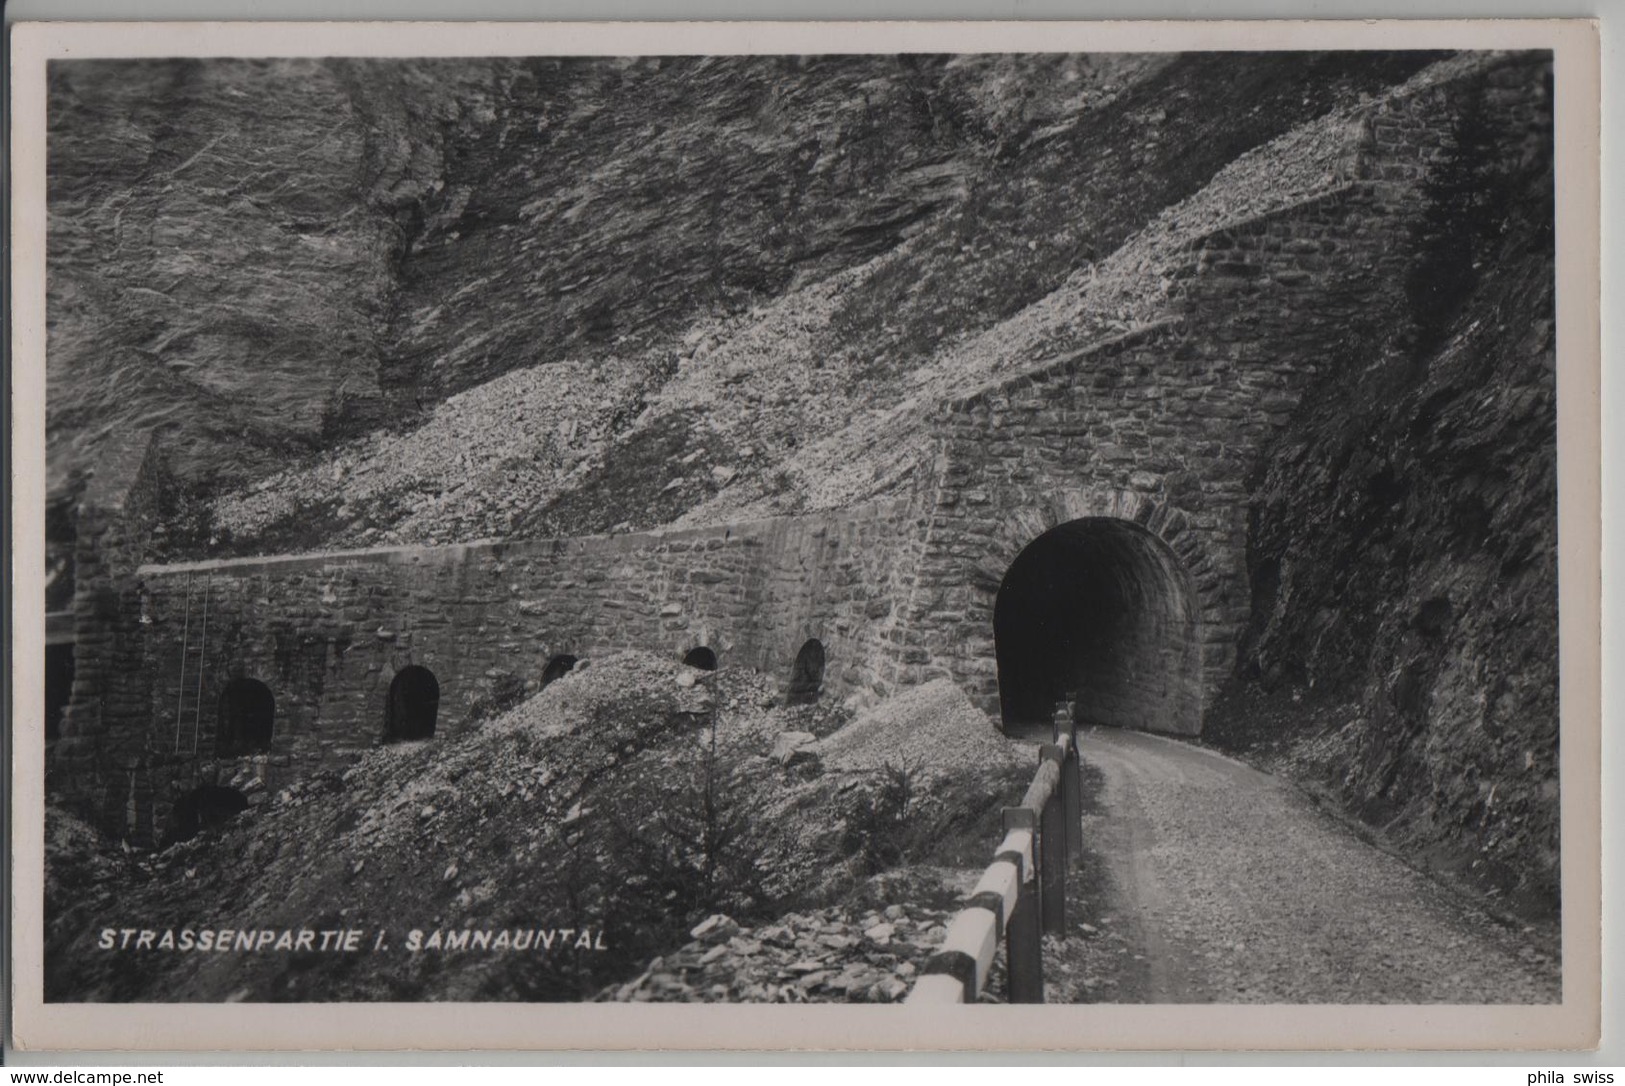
(1224, 884)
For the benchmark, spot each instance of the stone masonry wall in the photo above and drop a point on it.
(328, 632)
(1164, 426)
(91, 762)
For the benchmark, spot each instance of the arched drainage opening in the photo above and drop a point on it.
(558, 667)
(247, 716)
(208, 806)
(807, 676)
(702, 658)
(414, 702)
(1102, 607)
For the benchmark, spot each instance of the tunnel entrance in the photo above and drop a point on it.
(414, 702)
(702, 658)
(247, 716)
(807, 676)
(1102, 607)
(557, 668)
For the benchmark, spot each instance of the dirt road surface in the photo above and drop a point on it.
(1213, 882)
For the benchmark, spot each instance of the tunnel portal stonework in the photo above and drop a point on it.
(1146, 440)
(1100, 612)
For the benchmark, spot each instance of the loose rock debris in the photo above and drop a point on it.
(635, 796)
(831, 955)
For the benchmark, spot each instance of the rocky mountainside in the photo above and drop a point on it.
(1404, 547)
(797, 236)
(634, 798)
(218, 271)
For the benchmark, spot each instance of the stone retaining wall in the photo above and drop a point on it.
(327, 633)
(96, 759)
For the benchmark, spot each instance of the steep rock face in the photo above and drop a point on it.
(1404, 542)
(263, 257)
(249, 254)
(809, 391)
(786, 281)
(605, 203)
(216, 269)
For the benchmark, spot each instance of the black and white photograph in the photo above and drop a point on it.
(892, 529)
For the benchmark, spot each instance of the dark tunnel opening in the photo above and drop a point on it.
(1104, 608)
(247, 718)
(701, 657)
(557, 668)
(807, 676)
(414, 703)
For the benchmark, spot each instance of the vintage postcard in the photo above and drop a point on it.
(806, 536)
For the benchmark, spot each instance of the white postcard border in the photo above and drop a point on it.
(1575, 1023)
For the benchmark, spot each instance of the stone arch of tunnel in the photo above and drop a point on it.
(701, 657)
(807, 674)
(247, 718)
(412, 705)
(1104, 608)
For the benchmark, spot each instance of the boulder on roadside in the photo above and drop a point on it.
(789, 744)
(715, 929)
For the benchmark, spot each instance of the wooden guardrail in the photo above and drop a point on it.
(1021, 897)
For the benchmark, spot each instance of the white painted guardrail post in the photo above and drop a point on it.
(1052, 845)
(1066, 733)
(1023, 947)
(1022, 895)
(965, 958)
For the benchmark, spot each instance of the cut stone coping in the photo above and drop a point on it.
(453, 553)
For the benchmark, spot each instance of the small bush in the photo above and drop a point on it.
(877, 823)
(689, 836)
(953, 819)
